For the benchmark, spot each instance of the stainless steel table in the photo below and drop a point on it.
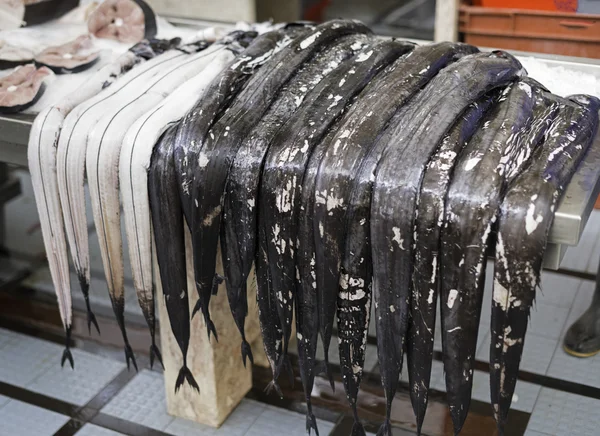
(570, 218)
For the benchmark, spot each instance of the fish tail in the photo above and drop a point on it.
(273, 386)
(67, 353)
(91, 319)
(386, 428)
(210, 327)
(186, 375)
(500, 427)
(197, 308)
(67, 356)
(247, 352)
(155, 352)
(323, 367)
(286, 364)
(358, 429)
(85, 290)
(129, 357)
(311, 423)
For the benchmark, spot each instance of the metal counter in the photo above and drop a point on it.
(570, 218)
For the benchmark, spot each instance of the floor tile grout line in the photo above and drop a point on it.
(256, 419)
(560, 339)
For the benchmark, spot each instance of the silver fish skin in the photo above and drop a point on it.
(104, 143)
(43, 141)
(134, 161)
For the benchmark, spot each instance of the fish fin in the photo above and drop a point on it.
(130, 357)
(273, 386)
(91, 319)
(358, 429)
(186, 375)
(197, 308)
(247, 352)
(67, 356)
(210, 327)
(217, 280)
(311, 423)
(154, 351)
(67, 353)
(286, 364)
(385, 429)
(323, 367)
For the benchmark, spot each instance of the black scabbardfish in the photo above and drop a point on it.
(431, 114)
(225, 137)
(472, 203)
(167, 218)
(306, 301)
(425, 276)
(524, 222)
(405, 77)
(194, 128)
(195, 125)
(238, 238)
(287, 159)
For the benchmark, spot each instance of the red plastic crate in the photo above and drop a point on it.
(561, 33)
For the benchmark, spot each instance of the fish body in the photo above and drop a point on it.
(194, 127)
(223, 141)
(471, 207)
(306, 300)
(72, 146)
(425, 275)
(524, 222)
(102, 163)
(287, 159)
(238, 240)
(43, 140)
(134, 162)
(430, 115)
(165, 203)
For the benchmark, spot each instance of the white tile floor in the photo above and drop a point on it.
(34, 364)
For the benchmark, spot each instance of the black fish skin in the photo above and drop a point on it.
(238, 238)
(471, 206)
(195, 126)
(287, 159)
(408, 75)
(524, 222)
(305, 299)
(165, 206)
(431, 114)
(224, 139)
(425, 277)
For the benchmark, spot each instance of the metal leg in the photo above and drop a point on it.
(3, 180)
(583, 337)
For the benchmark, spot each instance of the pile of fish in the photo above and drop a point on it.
(343, 169)
(127, 21)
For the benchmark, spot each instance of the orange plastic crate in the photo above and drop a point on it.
(561, 33)
(537, 5)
